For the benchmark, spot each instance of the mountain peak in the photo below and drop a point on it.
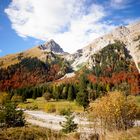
(51, 46)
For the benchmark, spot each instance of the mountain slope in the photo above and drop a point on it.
(114, 66)
(40, 52)
(111, 68)
(129, 35)
(113, 60)
(32, 71)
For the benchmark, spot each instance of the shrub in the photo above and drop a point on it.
(47, 96)
(51, 108)
(17, 98)
(32, 107)
(65, 111)
(10, 116)
(4, 97)
(116, 111)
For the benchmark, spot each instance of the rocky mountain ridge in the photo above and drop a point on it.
(129, 35)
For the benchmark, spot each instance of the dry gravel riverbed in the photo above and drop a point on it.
(52, 121)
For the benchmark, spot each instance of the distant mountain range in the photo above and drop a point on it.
(108, 56)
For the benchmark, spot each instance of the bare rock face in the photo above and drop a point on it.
(129, 35)
(51, 46)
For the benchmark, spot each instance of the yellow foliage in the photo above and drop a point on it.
(116, 111)
(3, 97)
(16, 98)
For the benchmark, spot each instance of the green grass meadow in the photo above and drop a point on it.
(41, 104)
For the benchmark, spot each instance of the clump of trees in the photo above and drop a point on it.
(70, 92)
(28, 92)
(115, 111)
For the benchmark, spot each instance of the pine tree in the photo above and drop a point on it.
(70, 93)
(64, 92)
(69, 125)
(56, 93)
(82, 84)
(82, 99)
(10, 116)
(34, 96)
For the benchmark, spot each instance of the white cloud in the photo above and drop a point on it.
(120, 4)
(0, 50)
(131, 21)
(70, 23)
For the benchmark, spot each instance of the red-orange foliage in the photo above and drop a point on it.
(24, 78)
(132, 78)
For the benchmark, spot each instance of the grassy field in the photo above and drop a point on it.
(34, 133)
(51, 106)
(39, 133)
(55, 106)
(130, 134)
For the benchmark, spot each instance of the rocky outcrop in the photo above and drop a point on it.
(51, 46)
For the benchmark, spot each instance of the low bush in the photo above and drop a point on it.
(51, 108)
(47, 96)
(32, 107)
(10, 116)
(65, 111)
(4, 97)
(17, 98)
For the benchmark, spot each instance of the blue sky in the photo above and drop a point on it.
(73, 24)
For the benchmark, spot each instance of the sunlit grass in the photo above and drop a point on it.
(31, 133)
(41, 104)
(130, 134)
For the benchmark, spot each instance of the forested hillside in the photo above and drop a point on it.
(32, 71)
(111, 69)
(114, 67)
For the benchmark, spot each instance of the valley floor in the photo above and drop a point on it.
(52, 121)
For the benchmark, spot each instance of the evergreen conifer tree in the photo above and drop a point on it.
(69, 125)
